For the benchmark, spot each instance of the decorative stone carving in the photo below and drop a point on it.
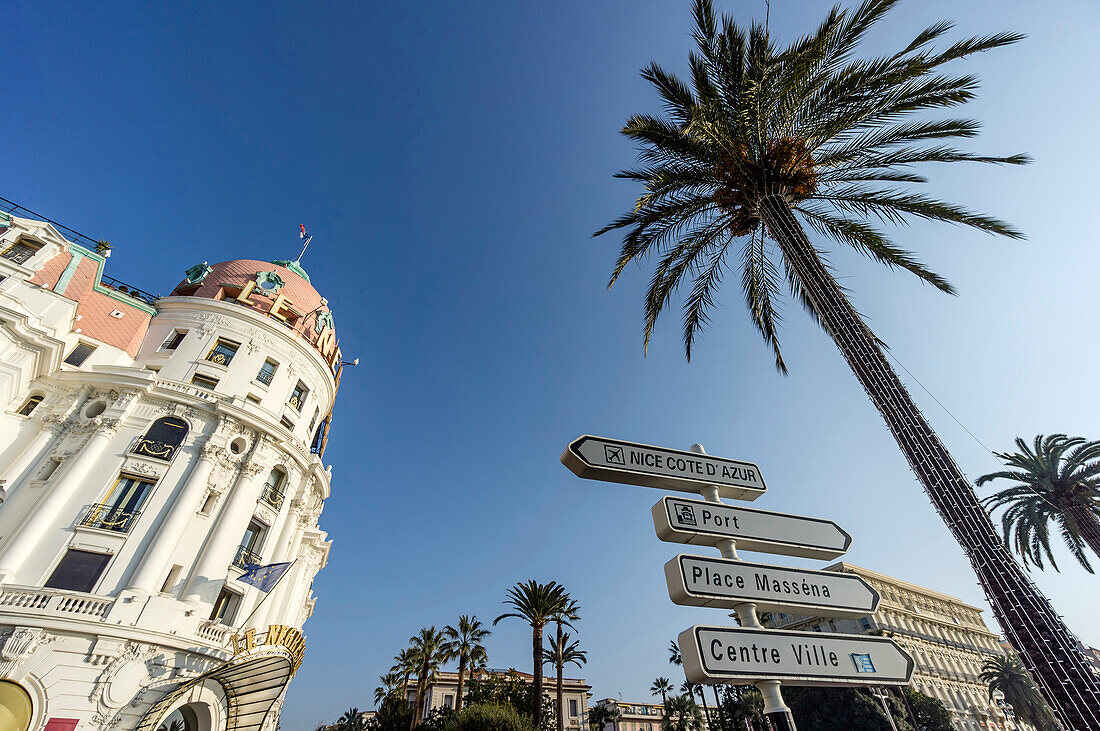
(142, 468)
(18, 646)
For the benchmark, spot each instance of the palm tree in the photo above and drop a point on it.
(465, 644)
(1007, 675)
(536, 604)
(428, 649)
(661, 687)
(569, 613)
(564, 653)
(600, 716)
(404, 664)
(352, 720)
(764, 135)
(1057, 481)
(390, 683)
(681, 714)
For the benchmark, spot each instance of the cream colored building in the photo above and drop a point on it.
(947, 638)
(444, 689)
(636, 716)
(152, 449)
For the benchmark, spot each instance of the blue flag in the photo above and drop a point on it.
(263, 578)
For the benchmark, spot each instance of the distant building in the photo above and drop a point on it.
(946, 637)
(635, 716)
(443, 690)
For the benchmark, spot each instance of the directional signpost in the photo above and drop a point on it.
(702, 581)
(750, 653)
(739, 654)
(698, 522)
(612, 460)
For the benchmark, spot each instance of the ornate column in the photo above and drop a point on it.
(28, 535)
(151, 571)
(212, 564)
(52, 425)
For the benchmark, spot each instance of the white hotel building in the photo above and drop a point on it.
(149, 449)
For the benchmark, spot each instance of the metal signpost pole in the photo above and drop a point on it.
(777, 712)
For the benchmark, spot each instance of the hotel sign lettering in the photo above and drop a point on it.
(698, 522)
(702, 581)
(739, 654)
(613, 460)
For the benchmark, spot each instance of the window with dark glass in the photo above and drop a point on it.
(29, 405)
(163, 439)
(20, 251)
(223, 351)
(225, 607)
(249, 551)
(120, 509)
(78, 570)
(79, 354)
(273, 488)
(174, 340)
(204, 382)
(267, 372)
(298, 396)
(287, 423)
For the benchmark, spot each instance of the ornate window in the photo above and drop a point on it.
(298, 396)
(79, 354)
(268, 282)
(248, 554)
(120, 510)
(267, 372)
(273, 488)
(78, 570)
(223, 351)
(225, 608)
(29, 405)
(21, 251)
(163, 439)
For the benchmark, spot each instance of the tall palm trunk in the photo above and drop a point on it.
(1088, 526)
(1029, 621)
(718, 707)
(559, 666)
(415, 717)
(706, 708)
(536, 671)
(461, 677)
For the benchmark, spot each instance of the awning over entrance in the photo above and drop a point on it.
(251, 685)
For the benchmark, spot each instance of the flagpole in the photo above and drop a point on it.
(268, 593)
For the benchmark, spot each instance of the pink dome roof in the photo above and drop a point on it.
(225, 280)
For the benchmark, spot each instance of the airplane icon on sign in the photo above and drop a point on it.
(613, 455)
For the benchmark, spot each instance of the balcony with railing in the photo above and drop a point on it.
(155, 449)
(246, 557)
(109, 517)
(273, 496)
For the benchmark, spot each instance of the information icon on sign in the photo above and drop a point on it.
(613, 455)
(863, 663)
(685, 514)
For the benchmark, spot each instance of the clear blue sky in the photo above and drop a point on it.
(452, 160)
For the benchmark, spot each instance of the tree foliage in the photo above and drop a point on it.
(1057, 482)
(509, 689)
(1007, 675)
(487, 717)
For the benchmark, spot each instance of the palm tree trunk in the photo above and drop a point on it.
(718, 707)
(558, 663)
(1029, 621)
(706, 708)
(416, 704)
(1087, 525)
(461, 677)
(536, 672)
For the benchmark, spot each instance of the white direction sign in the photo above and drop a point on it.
(703, 581)
(698, 522)
(612, 460)
(742, 655)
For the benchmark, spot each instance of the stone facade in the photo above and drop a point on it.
(150, 450)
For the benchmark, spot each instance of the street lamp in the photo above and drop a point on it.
(323, 441)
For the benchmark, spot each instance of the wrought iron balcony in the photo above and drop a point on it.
(273, 496)
(245, 557)
(265, 377)
(218, 357)
(156, 450)
(109, 517)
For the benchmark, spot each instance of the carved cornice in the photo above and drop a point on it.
(18, 646)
